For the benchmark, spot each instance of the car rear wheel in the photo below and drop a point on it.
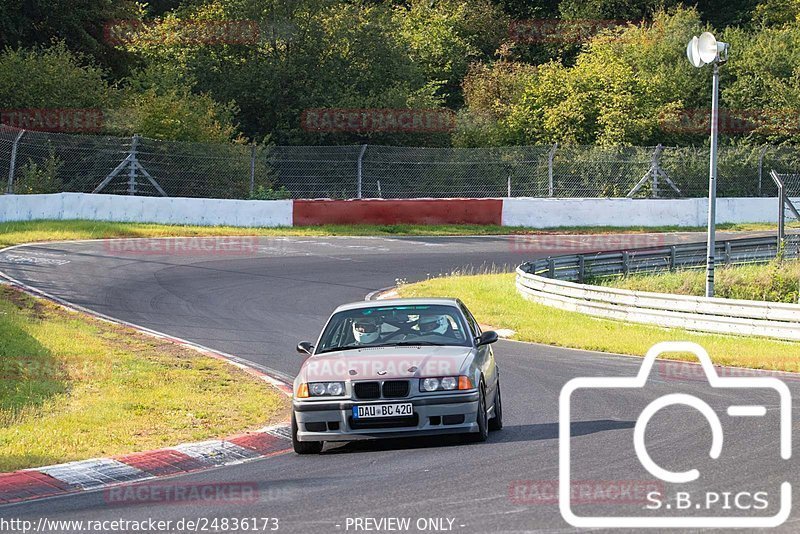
(304, 447)
(482, 418)
(496, 422)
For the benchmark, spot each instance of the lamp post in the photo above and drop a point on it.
(701, 51)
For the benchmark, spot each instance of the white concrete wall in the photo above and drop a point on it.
(550, 212)
(118, 208)
(533, 212)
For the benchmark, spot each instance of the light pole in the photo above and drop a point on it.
(701, 51)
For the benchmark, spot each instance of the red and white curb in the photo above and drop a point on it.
(54, 480)
(97, 473)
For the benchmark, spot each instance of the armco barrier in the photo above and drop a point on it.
(726, 316)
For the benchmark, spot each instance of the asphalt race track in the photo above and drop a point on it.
(258, 303)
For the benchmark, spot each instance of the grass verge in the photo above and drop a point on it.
(15, 233)
(73, 387)
(777, 281)
(495, 301)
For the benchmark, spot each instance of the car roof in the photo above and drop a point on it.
(396, 302)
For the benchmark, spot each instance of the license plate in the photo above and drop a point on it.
(383, 410)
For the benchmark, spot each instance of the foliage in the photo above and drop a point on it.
(625, 85)
(34, 178)
(776, 281)
(80, 25)
(270, 193)
(51, 77)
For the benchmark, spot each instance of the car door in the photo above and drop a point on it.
(485, 357)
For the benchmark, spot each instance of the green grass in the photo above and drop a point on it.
(14, 233)
(777, 281)
(72, 387)
(494, 300)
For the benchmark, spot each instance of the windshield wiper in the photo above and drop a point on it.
(377, 345)
(344, 347)
(414, 343)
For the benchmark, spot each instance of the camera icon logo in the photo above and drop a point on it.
(640, 447)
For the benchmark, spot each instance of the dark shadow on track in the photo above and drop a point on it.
(509, 434)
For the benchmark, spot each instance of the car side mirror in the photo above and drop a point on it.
(487, 337)
(305, 347)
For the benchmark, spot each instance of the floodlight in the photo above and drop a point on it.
(701, 51)
(693, 52)
(710, 49)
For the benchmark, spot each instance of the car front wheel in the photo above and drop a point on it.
(496, 422)
(483, 424)
(304, 447)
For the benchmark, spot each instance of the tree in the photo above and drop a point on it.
(158, 103)
(80, 25)
(622, 86)
(52, 77)
(445, 37)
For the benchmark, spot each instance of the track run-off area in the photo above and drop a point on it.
(256, 302)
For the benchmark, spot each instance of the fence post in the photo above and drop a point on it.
(625, 264)
(360, 170)
(581, 268)
(727, 252)
(672, 254)
(12, 165)
(132, 165)
(761, 169)
(551, 267)
(252, 169)
(509, 184)
(550, 157)
(781, 212)
(654, 166)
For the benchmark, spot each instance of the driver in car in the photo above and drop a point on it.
(366, 331)
(437, 324)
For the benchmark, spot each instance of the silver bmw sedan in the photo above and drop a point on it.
(396, 368)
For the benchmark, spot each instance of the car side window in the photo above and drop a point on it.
(473, 324)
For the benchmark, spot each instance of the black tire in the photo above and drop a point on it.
(496, 422)
(304, 447)
(483, 421)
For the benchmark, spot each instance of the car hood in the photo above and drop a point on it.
(386, 362)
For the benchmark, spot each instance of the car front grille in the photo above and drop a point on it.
(367, 390)
(393, 389)
(389, 389)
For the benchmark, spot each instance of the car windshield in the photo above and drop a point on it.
(382, 326)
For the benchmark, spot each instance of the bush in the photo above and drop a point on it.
(268, 193)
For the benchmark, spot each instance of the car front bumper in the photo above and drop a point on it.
(450, 413)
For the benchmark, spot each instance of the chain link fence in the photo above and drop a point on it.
(39, 162)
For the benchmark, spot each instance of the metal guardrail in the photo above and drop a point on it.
(581, 267)
(547, 282)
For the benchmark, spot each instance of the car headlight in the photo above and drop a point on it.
(429, 384)
(445, 383)
(321, 389)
